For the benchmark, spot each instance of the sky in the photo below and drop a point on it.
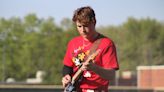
(108, 12)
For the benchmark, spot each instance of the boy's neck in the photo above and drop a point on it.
(93, 38)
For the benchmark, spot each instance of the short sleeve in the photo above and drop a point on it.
(109, 57)
(67, 58)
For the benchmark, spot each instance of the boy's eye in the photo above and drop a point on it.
(82, 25)
(79, 26)
(85, 25)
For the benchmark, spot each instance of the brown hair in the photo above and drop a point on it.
(84, 15)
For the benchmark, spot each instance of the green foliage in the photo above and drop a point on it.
(31, 44)
(139, 42)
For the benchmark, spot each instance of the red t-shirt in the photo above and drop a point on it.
(78, 48)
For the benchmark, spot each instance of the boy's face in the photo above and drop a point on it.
(86, 31)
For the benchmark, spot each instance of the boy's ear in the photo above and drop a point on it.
(95, 22)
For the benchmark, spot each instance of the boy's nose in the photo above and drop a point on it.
(83, 29)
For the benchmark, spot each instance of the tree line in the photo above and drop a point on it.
(31, 44)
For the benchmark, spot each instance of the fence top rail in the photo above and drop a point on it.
(150, 67)
(37, 86)
(41, 86)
